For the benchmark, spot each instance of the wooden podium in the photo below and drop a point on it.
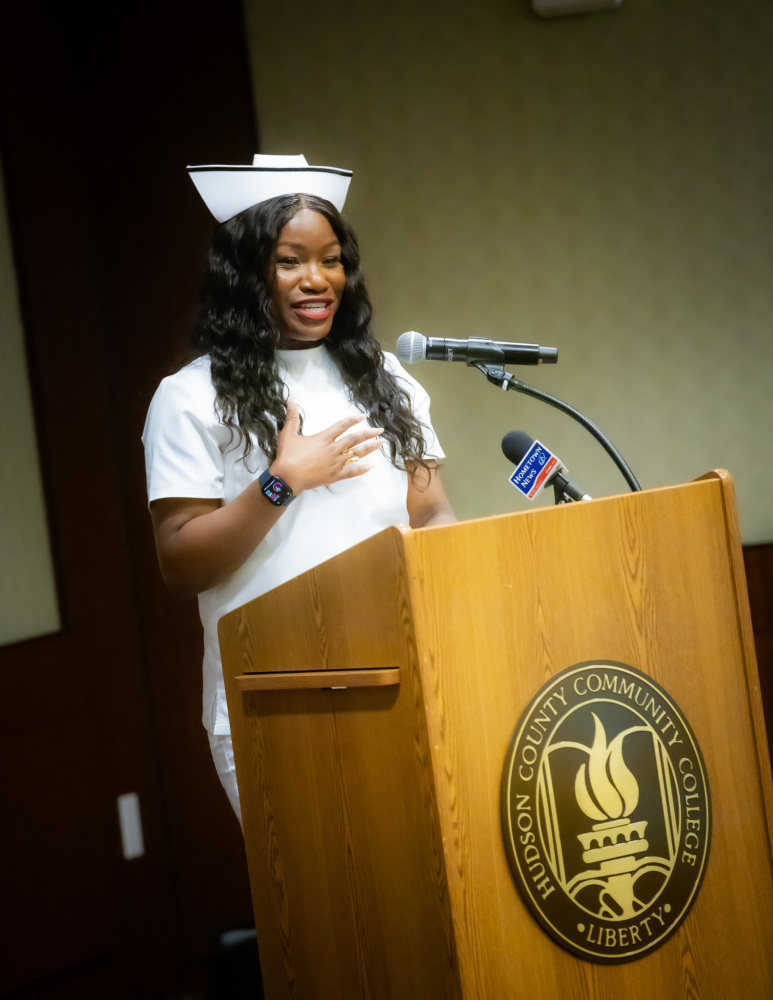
(372, 701)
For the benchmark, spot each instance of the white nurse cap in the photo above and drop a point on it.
(228, 190)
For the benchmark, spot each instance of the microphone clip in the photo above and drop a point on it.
(484, 354)
(495, 374)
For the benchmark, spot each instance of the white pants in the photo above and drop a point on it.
(223, 755)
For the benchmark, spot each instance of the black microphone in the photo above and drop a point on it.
(515, 444)
(412, 347)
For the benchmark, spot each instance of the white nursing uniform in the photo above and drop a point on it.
(190, 453)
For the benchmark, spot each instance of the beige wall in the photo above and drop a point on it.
(28, 605)
(600, 183)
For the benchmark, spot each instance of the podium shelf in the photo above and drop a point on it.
(309, 679)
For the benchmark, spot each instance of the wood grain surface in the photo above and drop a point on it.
(372, 815)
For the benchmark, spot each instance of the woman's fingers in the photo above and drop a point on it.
(352, 470)
(358, 437)
(359, 448)
(352, 464)
(337, 429)
(309, 461)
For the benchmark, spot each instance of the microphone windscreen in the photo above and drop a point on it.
(411, 347)
(515, 444)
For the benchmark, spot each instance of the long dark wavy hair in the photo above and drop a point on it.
(236, 326)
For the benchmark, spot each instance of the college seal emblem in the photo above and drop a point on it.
(606, 813)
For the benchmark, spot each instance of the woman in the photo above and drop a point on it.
(291, 436)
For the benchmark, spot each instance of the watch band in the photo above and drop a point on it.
(275, 489)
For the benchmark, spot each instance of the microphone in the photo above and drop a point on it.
(412, 347)
(536, 467)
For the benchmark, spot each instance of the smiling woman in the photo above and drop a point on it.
(291, 436)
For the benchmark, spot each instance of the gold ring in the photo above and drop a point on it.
(351, 458)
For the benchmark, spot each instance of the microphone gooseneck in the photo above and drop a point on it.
(506, 381)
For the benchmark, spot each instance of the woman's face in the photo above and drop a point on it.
(309, 280)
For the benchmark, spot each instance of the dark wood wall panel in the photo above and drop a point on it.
(758, 560)
(101, 108)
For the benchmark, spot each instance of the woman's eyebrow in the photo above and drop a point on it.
(302, 246)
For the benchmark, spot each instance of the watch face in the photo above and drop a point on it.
(276, 489)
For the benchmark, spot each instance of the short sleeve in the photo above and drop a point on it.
(420, 399)
(184, 438)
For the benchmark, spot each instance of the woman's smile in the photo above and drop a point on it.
(314, 309)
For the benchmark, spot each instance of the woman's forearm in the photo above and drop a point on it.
(200, 543)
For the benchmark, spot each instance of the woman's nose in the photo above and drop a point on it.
(314, 276)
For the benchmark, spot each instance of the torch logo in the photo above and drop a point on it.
(606, 811)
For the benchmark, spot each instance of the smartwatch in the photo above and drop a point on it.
(275, 489)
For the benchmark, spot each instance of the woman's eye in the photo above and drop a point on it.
(332, 261)
(286, 262)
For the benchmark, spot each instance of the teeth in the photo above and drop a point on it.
(316, 307)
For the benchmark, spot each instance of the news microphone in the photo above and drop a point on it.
(536, 467)
(412, 347)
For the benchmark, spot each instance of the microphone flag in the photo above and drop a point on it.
(534, 470)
